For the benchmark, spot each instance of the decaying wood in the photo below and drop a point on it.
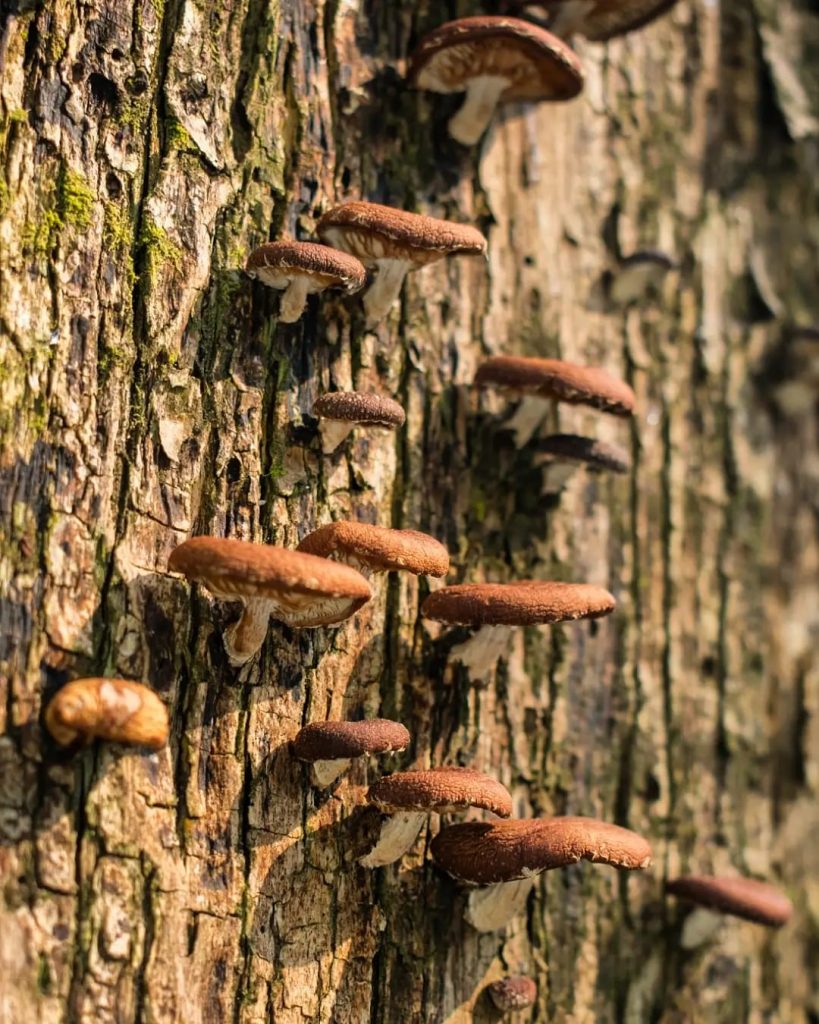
(148, 393)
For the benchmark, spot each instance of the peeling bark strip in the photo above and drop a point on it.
(148, 393)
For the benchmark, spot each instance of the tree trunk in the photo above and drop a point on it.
(148, 394)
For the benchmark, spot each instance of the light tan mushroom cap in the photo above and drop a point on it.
(379, 547)
(328, 741)
(742, 897)
(523, 603)
(485, 853)
(327, 266)
(517, 992)
(442, 790)
(371, 232)
(539, 65)
(610, 18)
(111, 709)
(236, 569)
(594, 453)
(360, 407)
(553, 378)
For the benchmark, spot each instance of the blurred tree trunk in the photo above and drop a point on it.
(147, 393)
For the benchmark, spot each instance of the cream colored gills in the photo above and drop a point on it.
(398, 834)
(492, 908)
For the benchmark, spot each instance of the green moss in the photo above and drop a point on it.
(178, 136)
(157, 249)
(75, 199)
(18, 116)
(38, 237)
(135, 115)
(43, 976)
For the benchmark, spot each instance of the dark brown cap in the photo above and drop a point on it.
(110, 709)
(371, 232)
(553, 378)
(538, 65)
(523, 603)
(574, 448)
(609, 18)
(379, 548)
(360, 407)
(442, 790)
(328, 741)
(517, 992)
(741, 897)
(485, 853)
(276, 262)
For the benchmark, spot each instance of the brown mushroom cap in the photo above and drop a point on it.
(523, 603)
(112, 709)
(330, 267)
(236, 569)
(440, 789)
(539, 66)
(328, 741)
(517, 992)
(360, 407)
(553, 378)
(742, 897)
(610, 18)
(379, 547)
(485, 853)
(596, 454)
(371, 232)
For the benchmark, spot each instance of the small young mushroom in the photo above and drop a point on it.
(493, 60)
(505, 856)
(553, 378)
(297, 589)
(638, 275)
(107, 709)
(496, 608)
(601, 20)
(371, 549)
(302, 269)
(409, 797)
(515, 992)
(742, 897)
(329, 747)
(563, 453)
(394, 242)
(341, 411)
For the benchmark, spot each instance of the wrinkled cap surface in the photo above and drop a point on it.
(523, 603)
(485, 853)
(371, 232)
(516, 992)
(538, 65)
(360, 407)
(440, 789)
(573, 447)
(293, 259)
(610, 18)
(327, 741)
(554, 378)
(741, 897)
(379, 547)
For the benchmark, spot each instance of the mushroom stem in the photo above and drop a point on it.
(557, 474)
(472, 120)
(294, 299)
(528, 416)
(492, 908)
(398, 834)
(325, 773)
(244, 637)
(481, 651)
(385, 289)
(570, 16)
(333, 432)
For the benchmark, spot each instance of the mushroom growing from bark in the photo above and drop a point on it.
(409, 797)
(329, 747)
(394, 242)
(600, 20)
(302, 269)
(297, 589)
(638, 275)
(493, 60)
(341, 411)
(107, 709)
(515, 992)
(563, 453)
(496, 608)
(742, 897)
(504, 857)
(371, 548)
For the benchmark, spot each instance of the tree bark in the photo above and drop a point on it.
(148, 393)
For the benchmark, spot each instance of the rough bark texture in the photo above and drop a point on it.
(147, 393)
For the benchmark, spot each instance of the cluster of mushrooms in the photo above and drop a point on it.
(326, 579)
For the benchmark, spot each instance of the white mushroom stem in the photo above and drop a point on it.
(325, 773)
(481, 651)
(570, 16)
(472, 120)
(634, 281)
(294, 299)
(493, 908)
(333, 432)
(385, 289)
(398, 834)
(245, 636)
(528, 416)
(557, 475)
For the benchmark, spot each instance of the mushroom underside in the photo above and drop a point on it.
(333, 432)
(493, 907)
(571, 16)
(635, 281)
(398, 833)
(325, 773)
(557, 473)
(480, 652)
(527, 417)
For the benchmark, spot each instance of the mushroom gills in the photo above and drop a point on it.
(333, 432)
(492, 908)
(245, 637)
(481, 651)
(398, 834)
(385, 288)
(472, 120)
(325, 773)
